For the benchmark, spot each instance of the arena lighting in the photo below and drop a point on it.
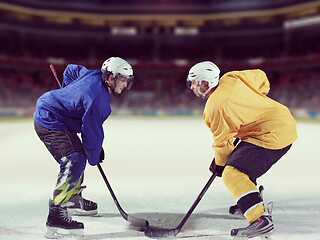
(124, 31)
(186, 31)
(302, 22)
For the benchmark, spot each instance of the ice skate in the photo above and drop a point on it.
(262, 227)
(80, 206)
(60, 225)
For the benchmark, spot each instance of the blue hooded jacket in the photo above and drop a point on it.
(80, 106)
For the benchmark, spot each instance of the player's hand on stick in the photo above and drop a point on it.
(101, 157)
(214, 168)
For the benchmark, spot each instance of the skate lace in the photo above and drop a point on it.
(66, 216)
(87, 203)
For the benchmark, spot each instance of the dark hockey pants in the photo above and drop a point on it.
(67, 150)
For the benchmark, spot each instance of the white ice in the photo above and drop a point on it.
(157, 168)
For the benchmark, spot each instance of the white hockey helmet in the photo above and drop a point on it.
(204, 71)
(117, 67)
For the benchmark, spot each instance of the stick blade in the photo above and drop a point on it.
(156, 232)
(137, 221)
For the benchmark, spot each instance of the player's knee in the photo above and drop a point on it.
(234, 180)
(228, 174)
(74, 164)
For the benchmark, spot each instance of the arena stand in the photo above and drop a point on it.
(282, 40)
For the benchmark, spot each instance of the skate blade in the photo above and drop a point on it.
(266, 236)
(258, 237)
(59, 233)
(79, 212)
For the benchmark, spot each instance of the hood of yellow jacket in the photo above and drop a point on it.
(255, 79)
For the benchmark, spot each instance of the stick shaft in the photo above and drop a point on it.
(154, 232)
(53, 70)
(111, 192)
(194, 205)
(133, 220)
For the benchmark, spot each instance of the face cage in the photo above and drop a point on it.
(188, 83)
(203, 94)
(130, 78)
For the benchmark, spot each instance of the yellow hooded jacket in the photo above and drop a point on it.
(240, 108)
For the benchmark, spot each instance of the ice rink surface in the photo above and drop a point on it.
(157, 168)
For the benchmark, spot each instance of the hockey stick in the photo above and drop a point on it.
(132, 220)
(53, 70)
(156, 232)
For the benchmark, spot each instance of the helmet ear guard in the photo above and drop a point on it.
(105, 75)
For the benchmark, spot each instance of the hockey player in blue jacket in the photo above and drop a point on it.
(80, 106)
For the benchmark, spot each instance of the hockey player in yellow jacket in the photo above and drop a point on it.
(238, 107)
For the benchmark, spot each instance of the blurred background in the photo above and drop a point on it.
(162, 39)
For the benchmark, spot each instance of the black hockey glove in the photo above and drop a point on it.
(101, 157)
(216, 168)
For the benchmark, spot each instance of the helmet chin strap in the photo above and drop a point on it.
(203, 95)
(114, 93)
(107, 86)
